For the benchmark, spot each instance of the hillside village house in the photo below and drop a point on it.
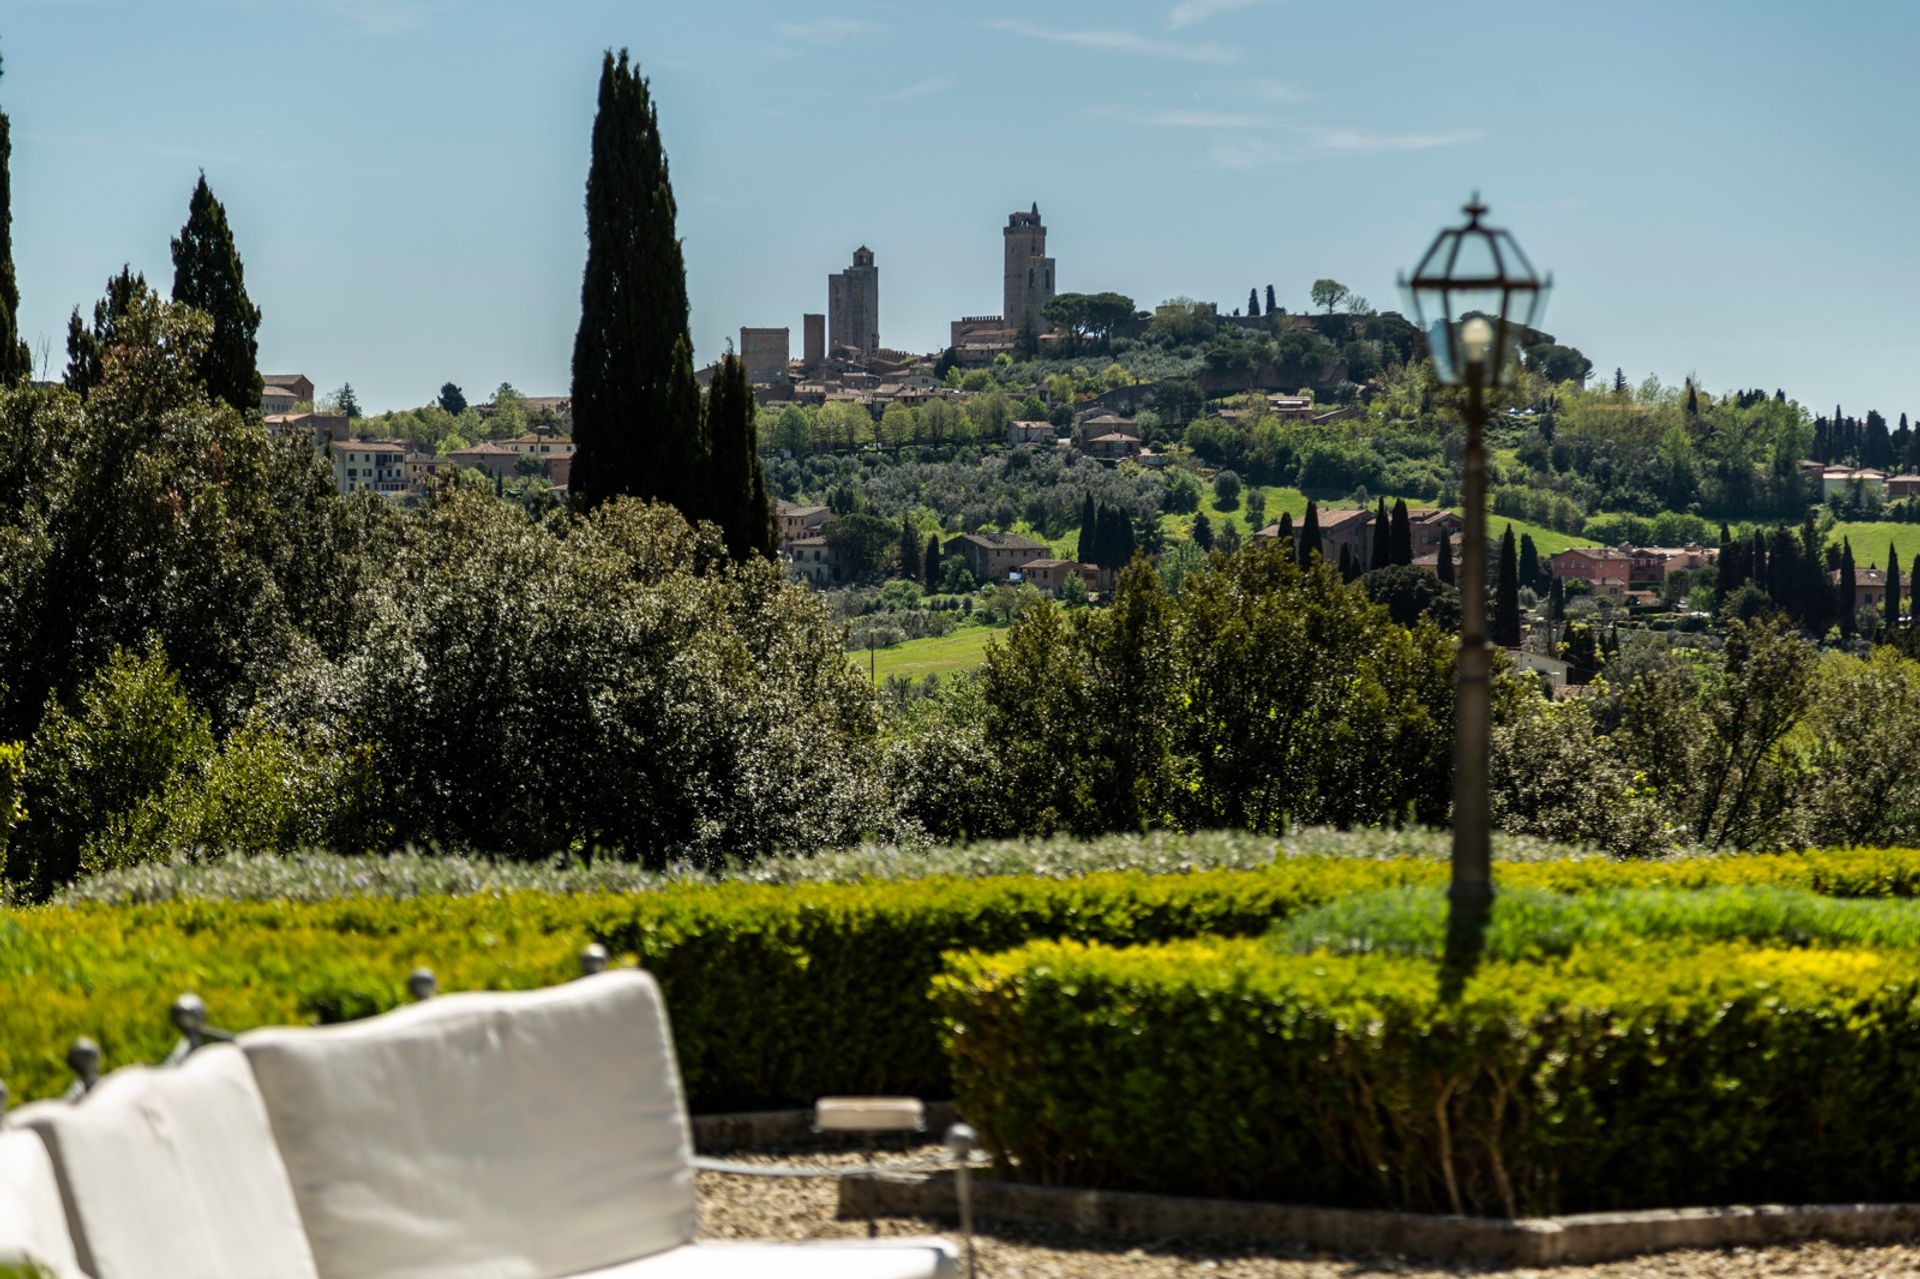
(1608, 571)
(1030, 433)
(1092, 428)
(797, 522)
(495, 459)
(1869, 587)
(544, 445)
(281, 392)
(376, 465)
(1426, 525)
(320, 429)
(1839, 481)
(1340, 526)
(992, 556)
(811, 559)
(1049, 576)
(1111, 448)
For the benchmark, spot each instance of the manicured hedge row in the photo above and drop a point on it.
(779, 994)
(1660, 1075)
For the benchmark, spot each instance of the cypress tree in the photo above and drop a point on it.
(1506, 595)
(1816, 591)
(1310, 535)
(1529, 562)
(1757, 561)
(737, 499)
(1913, 595)
(909, 549)
(1346, 563)
(1089, 531)
(1271, 307)
(16, 364)
(1286, 530)
(1726, 568)
(1783, 573)
(1444, 563)
(1556, 601)
(1400, 544)
(207, 276)
(1381, 538)
(1253, 302)
(930, 577)
(636, 408)
(1893, 589)
(1848, 590)
(1202, 532)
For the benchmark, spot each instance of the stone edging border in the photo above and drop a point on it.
(1572, 1240)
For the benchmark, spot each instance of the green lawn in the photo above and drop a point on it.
(941, 655)
(1870, 538)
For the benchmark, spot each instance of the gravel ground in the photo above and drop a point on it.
(733, 1207)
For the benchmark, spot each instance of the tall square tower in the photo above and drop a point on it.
(853, 305)
(1029, 271)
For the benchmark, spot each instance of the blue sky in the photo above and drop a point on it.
(1725, 190)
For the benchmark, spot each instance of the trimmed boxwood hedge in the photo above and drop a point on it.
(1655, 1075)
(779, 994)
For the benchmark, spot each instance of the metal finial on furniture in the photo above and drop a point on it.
(422, 984)
(84, 1060)
(593, 959)
(961, 1142)
(189, 1016)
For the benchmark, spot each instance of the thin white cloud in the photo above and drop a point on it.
(386, 17)
(1363, 140)
(1184, 118)
(1110, 40)
(1278, 91)
(1188, 12)
(926, 88)
(828, 30)
(1311, 142)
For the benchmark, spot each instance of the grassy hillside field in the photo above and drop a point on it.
(941, 655)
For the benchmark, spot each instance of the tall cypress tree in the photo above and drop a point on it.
(1443, 561)
(1310, 535)
(1529, 562)
(207, 276)
(1346, 563)
(1893, 589)
(636, 408)
(1089, 531)
(737, 496)
(1253, 301)
(16, 364)
(1382, 540)
(1848, 589)
(1506, 595)
(909, 549)
(1726, 568)
(930, 577)
(1400, 540)
(1202, 532)
(1271, 308)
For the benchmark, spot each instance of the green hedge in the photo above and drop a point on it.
(779, 994)
(1660, 1074)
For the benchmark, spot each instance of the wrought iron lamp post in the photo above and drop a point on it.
(1471, 294)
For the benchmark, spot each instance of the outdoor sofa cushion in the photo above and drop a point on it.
(531, 1135)
(33, 1221)
(173, 1174)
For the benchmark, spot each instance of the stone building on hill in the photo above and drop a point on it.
(1027, 286)
(853, 306)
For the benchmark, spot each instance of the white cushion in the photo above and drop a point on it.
(486, 1136)
(33, 1221)
(840, 1259)
(173, 1174)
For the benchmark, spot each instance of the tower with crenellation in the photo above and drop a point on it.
(1028, 285)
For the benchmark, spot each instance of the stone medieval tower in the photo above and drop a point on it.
(853, 305)
(1029, 276)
